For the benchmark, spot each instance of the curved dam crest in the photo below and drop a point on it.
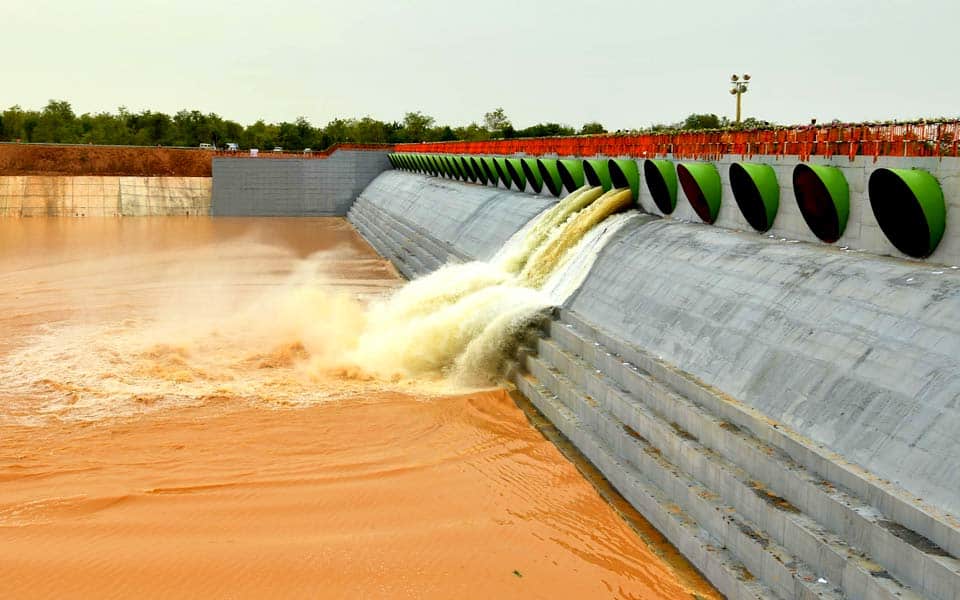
(801, 387)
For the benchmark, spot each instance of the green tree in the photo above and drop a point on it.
(704, 121)
(306, 132)
(447, 134)
(496, 120)
(545, 130)
(371, 131)
(103, 128)
(192, 128)
(232, 132)
(289, 136)
(189, 128)
(754, 123)
(57, 123)
(338, 131)
(416, 126)
(14, 121)
(472, 132)
(30, 122)
(592, 128)
(259, 135)
(149, 128)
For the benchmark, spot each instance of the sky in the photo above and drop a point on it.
(627, 64)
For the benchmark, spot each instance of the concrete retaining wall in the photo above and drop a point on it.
(856, 353)
(293, 187)
(103, 196)
(862, 232)
(784, 412)
(474, 221)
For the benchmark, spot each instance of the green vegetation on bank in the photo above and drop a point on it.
(58, 123)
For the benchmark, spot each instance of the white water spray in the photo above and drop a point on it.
(464, 321)
(307, 339)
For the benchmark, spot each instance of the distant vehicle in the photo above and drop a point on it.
(254, 151)
(231, 147)
(277, 149)
(308, 150)
(207, 147)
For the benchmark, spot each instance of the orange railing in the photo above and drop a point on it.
(909, 139)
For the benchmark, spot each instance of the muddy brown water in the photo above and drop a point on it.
(166, 431)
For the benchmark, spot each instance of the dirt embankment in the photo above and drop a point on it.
(28, 159)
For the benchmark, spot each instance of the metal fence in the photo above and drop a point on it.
(912, 139)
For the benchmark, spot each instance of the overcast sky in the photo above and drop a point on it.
(627, 64)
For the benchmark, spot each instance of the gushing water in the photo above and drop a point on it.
(514, 256)
(464, 321)
(549, 255)
(307, 339)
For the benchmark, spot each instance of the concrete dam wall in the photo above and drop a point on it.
(785, 413)
(103, 196)
(890, 205)
(92, 181)
(267, 187)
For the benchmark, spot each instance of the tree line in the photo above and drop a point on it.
(58, 123)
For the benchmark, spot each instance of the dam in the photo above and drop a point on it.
(753, 340)
(762, 359)
(778, 408)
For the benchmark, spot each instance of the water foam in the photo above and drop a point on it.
(307, 339)
(464, 321)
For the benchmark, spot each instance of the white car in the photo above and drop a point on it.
(207, 147)
(278, 149)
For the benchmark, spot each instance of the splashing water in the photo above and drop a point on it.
(548, 256)
(309, 340)
(514, 257)
(464, 321)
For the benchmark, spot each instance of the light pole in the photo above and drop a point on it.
(739, 88)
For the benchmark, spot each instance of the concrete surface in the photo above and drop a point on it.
(474, 219)
(103, 196)
(856, 353)
(293, 187)
(862, 232)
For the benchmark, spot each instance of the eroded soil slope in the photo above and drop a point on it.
(29, 159)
